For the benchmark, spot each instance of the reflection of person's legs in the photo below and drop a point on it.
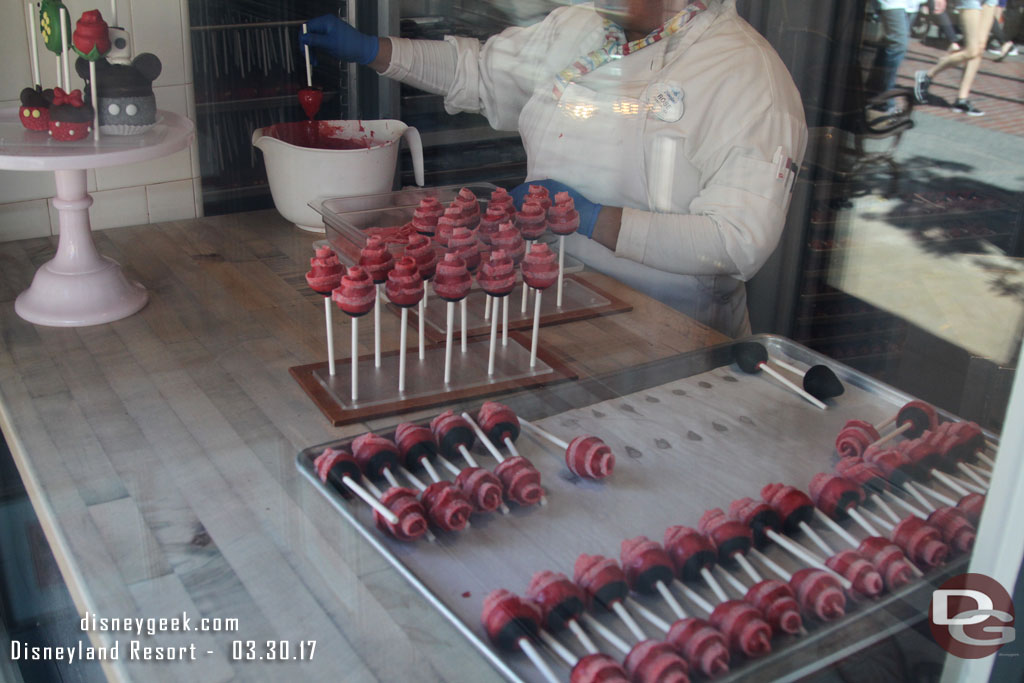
(977, 37)
(889, 56)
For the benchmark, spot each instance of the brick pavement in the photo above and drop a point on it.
(998, 89)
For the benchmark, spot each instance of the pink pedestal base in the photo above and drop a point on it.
(78, 286)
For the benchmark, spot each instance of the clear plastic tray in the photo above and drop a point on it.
(348, 218)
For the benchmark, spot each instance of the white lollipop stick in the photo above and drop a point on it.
(803, 554)
(494, 342)
(838, 530)
(879, 521)
(912, 490)
(885, 506)
(909, 508)
(713, 583)
(449, 466)
(582, 636)
(561, 650)
(736, 584)
(512, 448)
(952, 483)
(371, 487)
(487, 308)
(524, 301)
(369, 499)
(864, 524)
(309, 67)
(971, 474)
(462, 311)
(536, 330)
(787, 366)
(413, 478)
(628, 620)
(483, 437)
(984, 458)
(421, 316)
(531, 652)
(95, 102)
(694, 596)
(429, 467)
(561, 271)
(448, 343)
(353, 359)
(540, 431)
(799, 390)
(60, 78)
(893, 434)
(64, 49)
(655, 621)
(390, 476)
(32, 37)
(941, 497)
(817, 539)
(673, 604)
(606, 633)
(329, 322)
(113, 13)
(504, 321)
(376, 328)
(979, 470)
(426, 292)
(747, 567)
(771, 564)
(402, 338)
(469, 458)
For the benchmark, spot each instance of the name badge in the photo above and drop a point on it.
(665, 101)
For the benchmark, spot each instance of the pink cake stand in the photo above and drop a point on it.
(79, 286)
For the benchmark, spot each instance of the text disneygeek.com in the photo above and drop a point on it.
(142, 650)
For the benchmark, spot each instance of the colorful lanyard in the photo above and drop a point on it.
(616, 46)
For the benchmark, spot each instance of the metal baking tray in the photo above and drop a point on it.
(690, 433)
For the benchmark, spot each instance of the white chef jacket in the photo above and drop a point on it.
(704, 196)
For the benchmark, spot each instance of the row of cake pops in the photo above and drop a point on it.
(357, 292)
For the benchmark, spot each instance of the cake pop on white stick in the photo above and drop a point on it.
(356, 296)
(496, 277)
(753, 358)
(563, 219)
(510, 623)
(539, 272)
(338, 468)
(586, 456)
(806, 556)
(405, 289)
(452, 283)
(377, 260)
(324, 276)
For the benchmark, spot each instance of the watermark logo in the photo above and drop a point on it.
(972, 616)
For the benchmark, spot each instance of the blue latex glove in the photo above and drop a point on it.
(340, 40)
(587, 209)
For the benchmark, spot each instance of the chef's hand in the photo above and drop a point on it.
(587, 209)
(340, 40)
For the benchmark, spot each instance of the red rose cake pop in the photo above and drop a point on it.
(589, 457)
(490, 223)
(501, 199)
(538, 194)
(375, 454)
(481, 487)
(889, 560)
(521, 480)
(414, 444)
(355, 293)
(424, 218)
(510, 240)
(563, 218)
(324, 271)
(651, 661)
(532, 220)
(760, 517)
(497, 276)
(560, 600)
(412, 518)
(446, 506)
(819, 594)
(701, 644)
(464, 242)
(405, 286)
(540, 266)
(598, 668)
(376, 259)
(452, 280)
(469, 205)
(690, 550)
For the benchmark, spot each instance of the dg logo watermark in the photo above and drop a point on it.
(972, 616)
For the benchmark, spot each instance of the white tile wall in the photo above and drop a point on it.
(163, 189)
(21, 220)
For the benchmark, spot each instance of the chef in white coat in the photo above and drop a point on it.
(677, 130)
